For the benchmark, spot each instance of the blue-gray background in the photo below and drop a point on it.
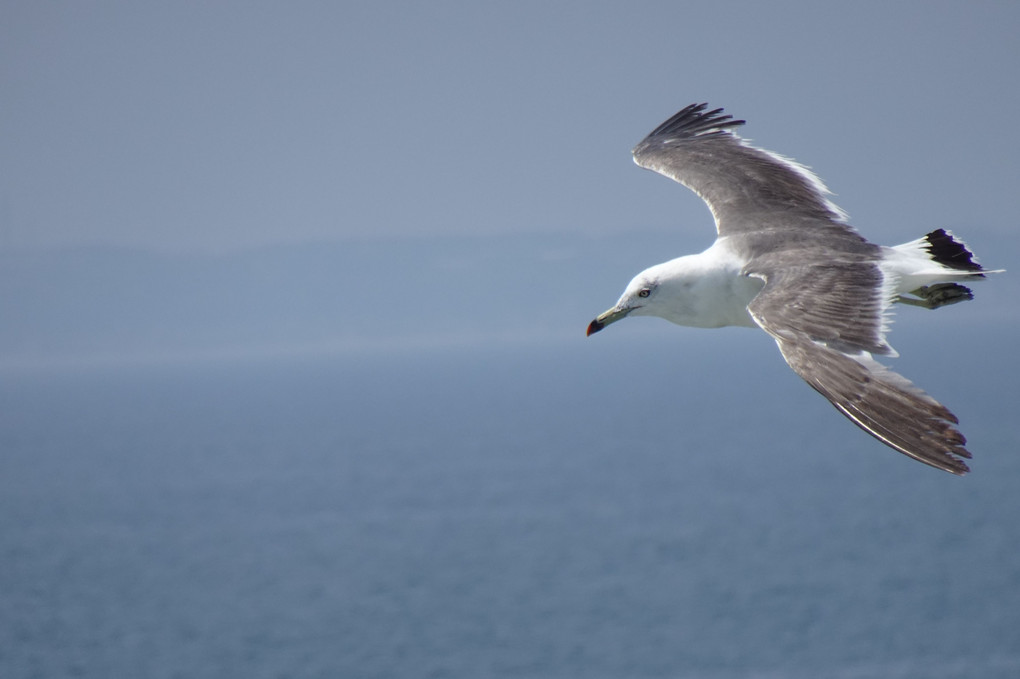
(294, 375)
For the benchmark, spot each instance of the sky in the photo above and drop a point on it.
(202, 126)
(196, 130)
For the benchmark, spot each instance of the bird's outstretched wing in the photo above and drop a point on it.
(746, 188)
(828, 323)
(825, 298)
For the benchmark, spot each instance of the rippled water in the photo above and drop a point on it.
(489, 513)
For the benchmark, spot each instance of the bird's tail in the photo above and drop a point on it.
(924, 270)
(946, 249)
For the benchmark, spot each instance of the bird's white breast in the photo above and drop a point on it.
(706, 290)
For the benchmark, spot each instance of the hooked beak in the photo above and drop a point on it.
(607, 317)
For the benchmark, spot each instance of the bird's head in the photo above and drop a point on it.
(639, 298)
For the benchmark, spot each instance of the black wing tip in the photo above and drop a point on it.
(942, 447)
(956, 467)
(696, 121)
(954, 452)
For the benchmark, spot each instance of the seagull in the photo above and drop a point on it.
(786, 261)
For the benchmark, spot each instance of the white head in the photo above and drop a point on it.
(662, 290)
(702, 291)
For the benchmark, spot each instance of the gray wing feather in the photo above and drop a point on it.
(746, 188)
(881, 402)
(827, 322)
(838, 302)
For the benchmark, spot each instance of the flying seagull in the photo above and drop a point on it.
(787, 261)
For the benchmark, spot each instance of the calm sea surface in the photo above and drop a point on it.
(491, 513)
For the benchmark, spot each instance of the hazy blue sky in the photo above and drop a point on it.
(201, 130)
(199, 126)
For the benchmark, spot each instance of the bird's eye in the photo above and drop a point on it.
(644, 292)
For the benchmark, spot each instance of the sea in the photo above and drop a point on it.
(582, 509)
